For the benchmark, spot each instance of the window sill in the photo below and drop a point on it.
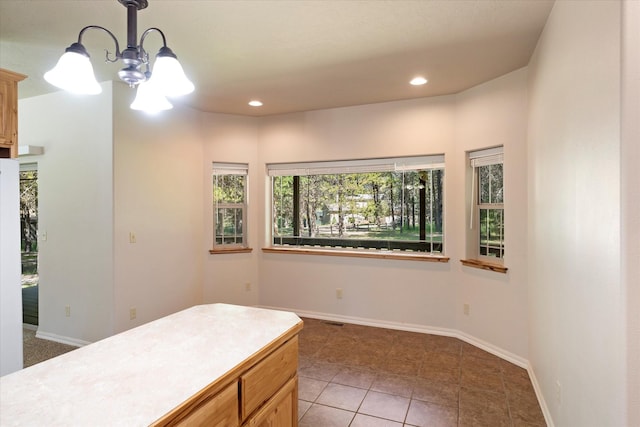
(410, 256)
(483, 265)
(230, 251)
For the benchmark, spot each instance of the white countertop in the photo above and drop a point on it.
(136, 377)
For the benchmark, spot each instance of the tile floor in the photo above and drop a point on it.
(359, 376)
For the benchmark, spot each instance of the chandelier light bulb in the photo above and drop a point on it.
(74, 73)
(149, 99)
(168, 75)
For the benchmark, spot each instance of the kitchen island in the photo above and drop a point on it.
(217, 364)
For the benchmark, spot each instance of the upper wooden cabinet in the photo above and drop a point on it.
(9, 113)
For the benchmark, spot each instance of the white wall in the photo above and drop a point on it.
(230, 138)
(630, 198)
(157, 196)
(108, 171)
(493, 114)
(576, 294)
(429, 295)
(10, 292)
(75, 210)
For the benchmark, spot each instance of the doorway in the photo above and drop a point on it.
(29, 242)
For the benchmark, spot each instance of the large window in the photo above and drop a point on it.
(229, 205)
(377, 204)
(488, 203)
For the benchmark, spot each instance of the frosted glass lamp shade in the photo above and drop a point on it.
(168, 75)
(149, 99)
(74, 72)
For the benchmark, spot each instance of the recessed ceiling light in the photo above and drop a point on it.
(418, 81)
(255, 103)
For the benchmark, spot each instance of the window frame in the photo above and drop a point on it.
(225, 169)
(346, 245)
(476, 160)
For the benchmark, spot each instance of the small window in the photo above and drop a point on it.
(229, 205)
(393, 204)
(487, 202)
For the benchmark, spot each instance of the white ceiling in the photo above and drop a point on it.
(294, 55)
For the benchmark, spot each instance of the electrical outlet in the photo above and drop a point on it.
(466, 309)
(132, 237)
(247, 286)
(132, 313)
(67, 311)
(339, 293)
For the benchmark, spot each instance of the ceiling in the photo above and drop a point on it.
(296, 55)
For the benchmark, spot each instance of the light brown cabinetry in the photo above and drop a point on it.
(262, 392)
(9, 113)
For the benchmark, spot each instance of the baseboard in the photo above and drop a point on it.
(540, 396)
(496, 351)
(59, 338)
(30, 326)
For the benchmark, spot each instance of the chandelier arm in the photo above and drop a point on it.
(150, 30)
(115, 40)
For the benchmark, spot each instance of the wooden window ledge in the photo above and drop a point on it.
(407, 256)
(230, 251)
(474, 263)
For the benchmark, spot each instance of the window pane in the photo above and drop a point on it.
(382, 210)
(229, 188)
(228, 225)
(490, 186)
(492, 232)
(283, 206)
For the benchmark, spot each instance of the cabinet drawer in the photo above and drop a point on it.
(221, 410)
(280, 411)
(263, 380)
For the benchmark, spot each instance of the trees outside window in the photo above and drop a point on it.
(229, 205)
(378, 204)
(29, 223)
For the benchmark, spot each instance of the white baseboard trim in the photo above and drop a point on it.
(61, 339)
(540, 396)
(496, 351)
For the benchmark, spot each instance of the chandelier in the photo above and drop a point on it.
(74, 72)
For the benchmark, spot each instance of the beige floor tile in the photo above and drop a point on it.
(320, 371)
(431, 415)
(362, 378)
(440, 393)
(394, 384)
(325, 416)
(385, 406)
(362, 420)
(407, 374)
(341, 396)
(309, 389)
(482, 408)
(303, 406)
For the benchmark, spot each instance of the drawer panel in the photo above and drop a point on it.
(280, 411)
(263, 380)
(220, 411)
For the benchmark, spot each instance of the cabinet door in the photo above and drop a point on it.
(7, 112)
(219, 411)
(281, 410)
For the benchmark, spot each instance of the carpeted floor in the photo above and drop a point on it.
(36, 350)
